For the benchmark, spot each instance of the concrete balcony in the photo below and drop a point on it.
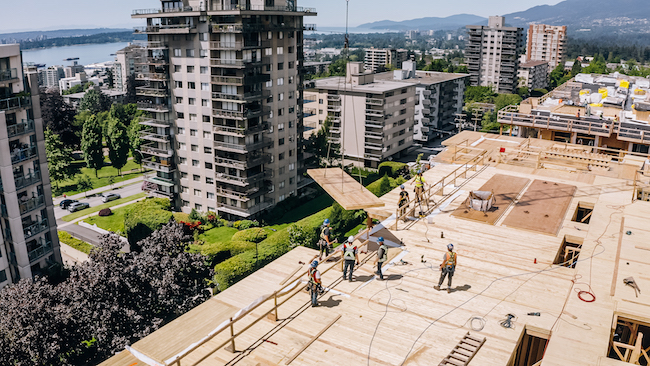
(166, 29)
(152, 76)
(249, 162)
(9, 75)
(426, 111)
(374, 135)
(150, 136)
(26, 126)
(374, 113)
(242, 181)
(31, 204)
(334, 108)
(229, 131)
(375, 157)
(426, 102)
(375, 101)
(228, 80)
(27, 180)
(162, 153)
(152, 122)
(374, 124)
(35, 229)
(151, 92)
(44, 248)
(334, 98)
(159, 167)
(145, 13)
(24, 154)
(373, 146)
(235, 45)
(246, 97)
(155, 61)
(223, 62)
(13, 103)
(153, 107)
(243, 148)
(224, 113)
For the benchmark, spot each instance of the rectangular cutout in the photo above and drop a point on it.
(628, 341)
(530, 347)
(569, 251)
(583, 212)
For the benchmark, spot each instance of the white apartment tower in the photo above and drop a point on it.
(223, 87)
(30, 244)
(492, 54)
(377, 58)
(546, 43)
(127, 63)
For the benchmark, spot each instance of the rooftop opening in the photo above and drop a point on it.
(583, 212)
(530, 348)
(568, 254)
(628, 343)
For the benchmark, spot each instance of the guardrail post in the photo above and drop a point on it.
(231, 348)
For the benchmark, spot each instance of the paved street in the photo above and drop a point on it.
(126, 191)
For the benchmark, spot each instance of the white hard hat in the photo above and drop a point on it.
(351, 238)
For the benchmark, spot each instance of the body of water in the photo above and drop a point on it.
(87, 53)
(328, 30)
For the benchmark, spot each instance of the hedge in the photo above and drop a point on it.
(392, 168)
(69, 240)
(219, 252)
(238, 267)
(254, 235)
(145, 217)
(376, 186)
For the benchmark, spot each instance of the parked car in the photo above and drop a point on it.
(66, 202)
(78, 206)
(110, 197)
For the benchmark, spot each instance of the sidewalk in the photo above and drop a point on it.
(100, 189)
(72, 256)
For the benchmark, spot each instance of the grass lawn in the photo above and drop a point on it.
(69, 187)
(114, 222)
(78, 214)
(181, 216)
(80, 245)
(218, 234)
(317, 204)
(355, 230)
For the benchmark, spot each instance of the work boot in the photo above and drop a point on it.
(448, 290)
(436, 287)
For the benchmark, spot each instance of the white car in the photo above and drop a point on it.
(78, 206)
(110, 197)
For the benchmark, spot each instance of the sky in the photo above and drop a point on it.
(27, 15)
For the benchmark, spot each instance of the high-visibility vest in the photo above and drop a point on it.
(419, 181)
(384, 253)
(322, 232)
(451, 259)
(348, 252)
(312, 275)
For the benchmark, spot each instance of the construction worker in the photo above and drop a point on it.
(325, 243)
(350, 256)
(403, 201)
(314, 283)
(448, 266)
(382, 256)
(419, 186)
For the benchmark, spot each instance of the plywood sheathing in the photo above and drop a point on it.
(349, 193)
(506, 188)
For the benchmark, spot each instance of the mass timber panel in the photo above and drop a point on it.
(542, 207)
(349, 193)
(506, 188)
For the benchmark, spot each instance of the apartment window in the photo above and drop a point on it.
(177, 68)
(290, 34)
(182, 146)
(192, 132)
(269, 99)
(209, 180)
(280, 66)
(281, 198)
(280, 35)
(281, 156)
(280, 51)
(209, 195)
(290, 152)
(280, 111)
(269, 67)
(181, 130)
(290, 79)
(207, 149)
(206, 119)
(198, 207)
(192, 101)
(203, 53)
(182, 160)
(320, 111)
(281, 171)
(203, 37)
(281, 185)
(269, 84)
(195, 162)
(197, 192)
(192, 117)
(290, 95)
(404, 91)
(184, 189)
(185, 203)
(203, 69)
(208, 166)
(269, 35)
(281, 141)
(196, 177)
(268, 52)
(292, 109)
(280, 81)
(281, 96)
(207, 135)
(291, 181)
(204, 103)
(290, 49)
(179, 100)
(178, 84)
(189, 52)
(190, 69)
(403, 101)
(195, 148)
(177, 52)
(205, 86)
(291, 64)
(183, 175)
(191, 85)
(280, 126)
(290, 124)
(320, 101)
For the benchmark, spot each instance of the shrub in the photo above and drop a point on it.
(219, 252)
(196, 216)
(344, 220)
(254, 235)
(245, 224)
(392, 168)
(105, 212)
(212, 217)
(80, 245)
(380, 187)
(144, 217)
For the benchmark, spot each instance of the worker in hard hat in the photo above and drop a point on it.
(382, 256)
(448, 266)
(419, 186)
(325, 243)
(314, 283)
(350, 256)
(403, 201)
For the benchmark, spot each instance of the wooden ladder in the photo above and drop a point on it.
(464, 351)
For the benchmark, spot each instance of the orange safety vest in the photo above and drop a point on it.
(312, 276)
(451, 260)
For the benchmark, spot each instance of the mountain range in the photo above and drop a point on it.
(584, 19)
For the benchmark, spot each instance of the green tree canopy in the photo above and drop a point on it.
(576, 68)
(118, 143)
(504, 100)
(91, 144)
(59, 158)
(479, 94)
(59, 117)
(95, 101)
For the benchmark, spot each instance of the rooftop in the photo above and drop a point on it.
(524, 256)
(532, 63)
(376, 87)
(424, 77)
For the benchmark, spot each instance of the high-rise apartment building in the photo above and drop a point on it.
(222, 82)
(126, 64)
(546, 43)
(50, 77)
(30, 243)
(533, 75)
(371, 119)
(378, 58)
(492, 54)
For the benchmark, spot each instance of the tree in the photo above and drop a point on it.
(504, 100)
(110, 79)
(576, 68)
(58, 116)
(84, 183)
(91, 144)
(130, 96)
(134, 138)
(144, 217)
(479, 94)
(558, 76)
(95, 101)
(320, 145)
(118, 144)
(384, 185)
(59, 158)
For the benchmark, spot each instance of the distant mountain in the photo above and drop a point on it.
(430, 23)
(590, 19)
(19, 36)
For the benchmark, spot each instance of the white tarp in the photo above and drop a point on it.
(481, 200)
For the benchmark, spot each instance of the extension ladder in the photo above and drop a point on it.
(464, 351)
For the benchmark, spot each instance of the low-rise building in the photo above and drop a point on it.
(378, 58)
(115, 95)
(533, 74)
(371, 119)
(79, 79)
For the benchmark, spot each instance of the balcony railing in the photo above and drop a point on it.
(156, 151)
(8, 74)
(166, 28)
(23, 154)
(26, 126)
(233, 80)
(153, 107)
(374, 113)
(166, 10)
(242, 164)
(250, 7)
(374, 124)
(162, 123)
(151, 92)
(557, 122)
(229, 130)
(244, 148)
(145, 135)
(15, 103)
(151, 76)
(374, 101)
(31, 204)
(41, 251)
(27, 180)
(35, 228)
(160, 167)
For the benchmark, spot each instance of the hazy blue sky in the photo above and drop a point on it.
(60, 14)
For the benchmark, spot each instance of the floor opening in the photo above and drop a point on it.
(583, 212)
(629, 343)
(568, 254)
(530, 348)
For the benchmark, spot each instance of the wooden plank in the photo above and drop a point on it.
(292, 274)
(349, 193)
(312, 340)
(618, 257)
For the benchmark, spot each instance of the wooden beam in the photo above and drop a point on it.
(344, 189)
(312, 340)
(618, 257)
